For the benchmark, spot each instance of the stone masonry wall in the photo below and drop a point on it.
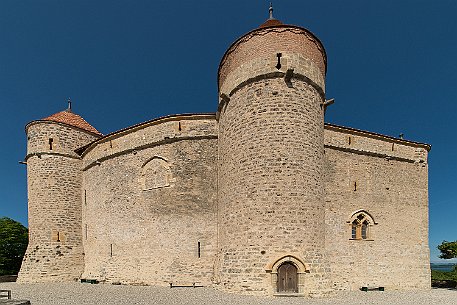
(149, 214)
(150, 134)
(373, 144)
(270, 187)
(55, 251)
(365, 174)
(65, 139)
(256, 53)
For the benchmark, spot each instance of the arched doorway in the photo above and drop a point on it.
(287, 280)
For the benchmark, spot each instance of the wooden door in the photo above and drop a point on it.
(287, 278)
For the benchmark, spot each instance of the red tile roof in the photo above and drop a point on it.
(270, 22)
(72, 119)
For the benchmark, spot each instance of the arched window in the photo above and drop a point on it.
(355, 225)
(361, 223)
(156, 174)
(365, 229)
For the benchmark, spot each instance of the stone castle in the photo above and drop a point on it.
(261, 197)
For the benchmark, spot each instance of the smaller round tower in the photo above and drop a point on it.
(54, 178)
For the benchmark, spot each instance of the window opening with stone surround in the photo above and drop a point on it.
(156, 174)
(56, 236)
(51, 140)
(361, 223)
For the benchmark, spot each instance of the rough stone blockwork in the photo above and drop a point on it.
(55, 251)
(153, 231)
(391, 186)
(271, 148)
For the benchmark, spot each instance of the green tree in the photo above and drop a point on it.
(448, 249)
(13, 243)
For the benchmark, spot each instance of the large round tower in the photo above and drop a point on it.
(55, 250)
(271, 153)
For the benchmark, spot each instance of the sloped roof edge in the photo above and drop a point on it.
(376, 135)
(210, 115)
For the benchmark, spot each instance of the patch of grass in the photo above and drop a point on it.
(444, 279)
(442, 275)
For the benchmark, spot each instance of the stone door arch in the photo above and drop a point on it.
(287, 274)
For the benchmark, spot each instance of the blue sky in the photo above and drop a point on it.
(392, 68)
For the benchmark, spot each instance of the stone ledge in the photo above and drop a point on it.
(15, 302)
(291, 294)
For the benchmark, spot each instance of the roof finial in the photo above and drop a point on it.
(69, 104)
(271, 11)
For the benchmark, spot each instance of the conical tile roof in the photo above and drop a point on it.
(270, 23)
(72, 119)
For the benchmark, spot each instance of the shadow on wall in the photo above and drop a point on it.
(8, 278)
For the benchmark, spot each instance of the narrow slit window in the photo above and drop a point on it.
(51, 140)
(85, 197)
(57, 236)
(179, 126)
(393, 146)
(349, 140)
(111, 250)
(198, 250)
(278, 65)
(110, 144)
(85, 231)
(355, 186)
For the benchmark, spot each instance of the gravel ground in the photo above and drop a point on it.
(82, 294)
